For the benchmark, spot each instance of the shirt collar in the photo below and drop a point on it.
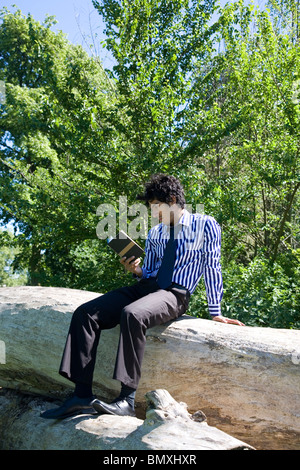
(185, 219)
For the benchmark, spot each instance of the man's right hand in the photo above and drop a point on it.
(132, 266)
(231, 321)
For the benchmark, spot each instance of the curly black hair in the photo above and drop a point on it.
(163, 188)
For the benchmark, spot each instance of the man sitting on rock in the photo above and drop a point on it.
(178, 251)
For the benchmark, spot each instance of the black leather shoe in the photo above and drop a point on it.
(120, 408)
(71, 407)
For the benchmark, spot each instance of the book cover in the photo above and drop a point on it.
(123, 245)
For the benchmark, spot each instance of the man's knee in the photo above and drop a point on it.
(129, 317)
(89, 310)
(79, 314)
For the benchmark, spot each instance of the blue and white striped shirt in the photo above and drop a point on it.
(198, 253)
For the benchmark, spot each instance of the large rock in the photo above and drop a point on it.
(245, 379)
(168, 426)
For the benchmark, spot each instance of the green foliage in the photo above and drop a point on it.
(8, 251)
(156, 45)
(55, 145)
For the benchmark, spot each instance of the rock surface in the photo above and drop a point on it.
(247, 379)
(168, 426)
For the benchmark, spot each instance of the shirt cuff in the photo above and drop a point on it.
(145, 275)
(214, 310)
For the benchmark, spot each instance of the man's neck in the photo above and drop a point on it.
(176, 216)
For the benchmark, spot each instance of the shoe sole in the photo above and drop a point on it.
(89, 411)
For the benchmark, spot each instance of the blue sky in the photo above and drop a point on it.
(78, 19)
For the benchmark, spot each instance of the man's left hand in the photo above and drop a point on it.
(222, 319)
(131, 264)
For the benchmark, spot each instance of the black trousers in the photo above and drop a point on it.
(136, 308)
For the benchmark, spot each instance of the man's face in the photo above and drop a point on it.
(163, 211)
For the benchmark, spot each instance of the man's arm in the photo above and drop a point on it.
(212, 271)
